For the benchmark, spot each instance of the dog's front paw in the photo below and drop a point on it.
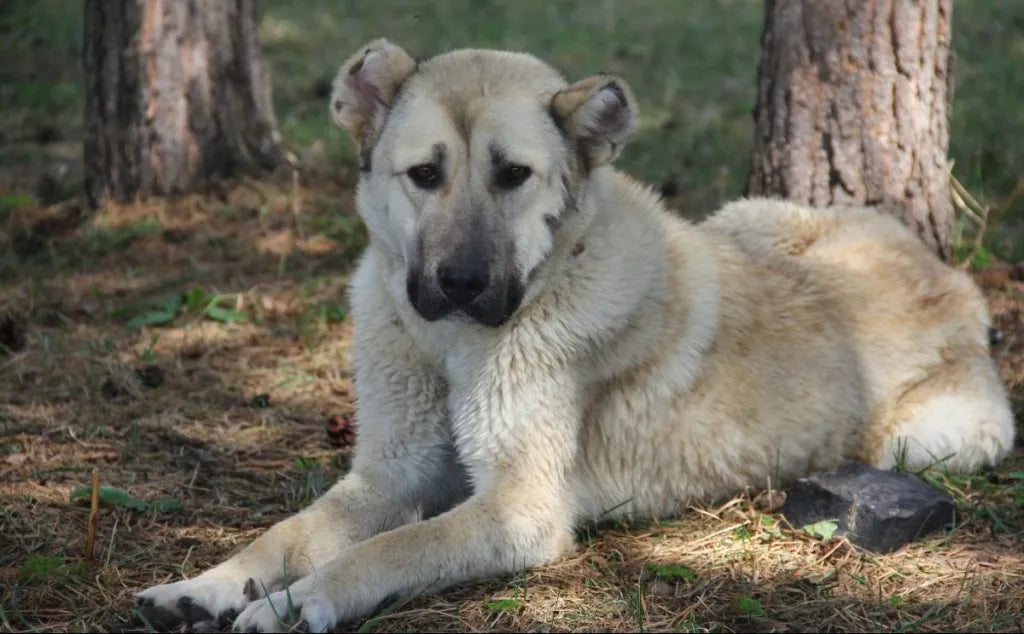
(207, 602)
(300, 608)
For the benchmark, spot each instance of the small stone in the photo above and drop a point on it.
(770, 501)
(877, 510)
(660, 588)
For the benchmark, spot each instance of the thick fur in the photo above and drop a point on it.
(650, 363)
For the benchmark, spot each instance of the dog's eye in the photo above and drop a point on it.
(512, 176)
(425, 176)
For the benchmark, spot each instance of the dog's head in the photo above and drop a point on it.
(469, 165)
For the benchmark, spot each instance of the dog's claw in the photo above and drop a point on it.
(227, 617)
(194, 613)
(250, 591)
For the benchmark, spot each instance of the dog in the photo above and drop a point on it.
(538, 342)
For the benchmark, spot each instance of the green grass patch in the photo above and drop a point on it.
(40, 568)
(498, 606)
(824, 529)
(749, 606)
(195, 301)
(114, 497)
(672, 571)
(314, 479)
(13, 202)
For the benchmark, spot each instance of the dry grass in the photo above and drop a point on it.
(78, 391)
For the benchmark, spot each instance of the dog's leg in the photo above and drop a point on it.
(403, 468)
(518, 439)
(957, 418)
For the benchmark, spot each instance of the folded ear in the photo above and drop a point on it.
(365, 87)
(600, 113)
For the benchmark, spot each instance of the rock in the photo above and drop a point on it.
(877, 510)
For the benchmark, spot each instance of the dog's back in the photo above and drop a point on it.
(920, 328)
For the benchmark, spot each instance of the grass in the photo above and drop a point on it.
(195, 349)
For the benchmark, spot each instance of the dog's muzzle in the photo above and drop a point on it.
(467, 284)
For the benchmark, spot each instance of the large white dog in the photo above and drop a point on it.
(537, 341)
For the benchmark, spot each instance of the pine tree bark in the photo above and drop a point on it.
(176, 96)
(853, 108)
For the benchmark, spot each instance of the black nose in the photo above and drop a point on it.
(462, 282)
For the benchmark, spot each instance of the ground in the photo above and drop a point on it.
(125, 352)
(193, 351)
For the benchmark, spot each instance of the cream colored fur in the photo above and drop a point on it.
(654, 363)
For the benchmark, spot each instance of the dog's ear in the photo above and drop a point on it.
(365, 87)
(599, 113)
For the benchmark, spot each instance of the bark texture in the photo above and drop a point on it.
(176, 95)
(853, 108)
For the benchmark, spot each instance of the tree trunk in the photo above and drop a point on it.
(175, 96)
(853, 108)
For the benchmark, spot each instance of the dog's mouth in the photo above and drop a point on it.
(492, 307)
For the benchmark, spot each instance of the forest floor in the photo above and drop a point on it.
(194, 352)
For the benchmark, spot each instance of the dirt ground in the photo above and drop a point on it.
(195, 349)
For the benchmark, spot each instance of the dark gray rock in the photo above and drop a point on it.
(877, 510)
